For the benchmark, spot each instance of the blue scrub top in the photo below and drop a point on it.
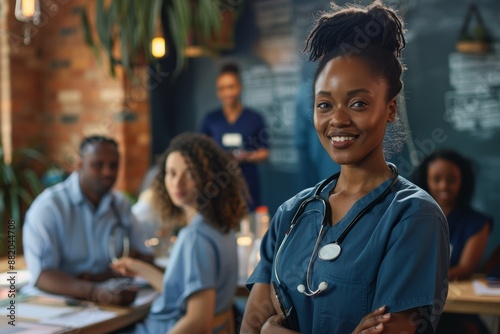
(463, 224)
(201, 258)
(397, 255)
(254, 136)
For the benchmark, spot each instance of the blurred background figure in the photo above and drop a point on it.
(238, 129)
(149, 213)
(199, 285)
(449, 178)
(75, 229)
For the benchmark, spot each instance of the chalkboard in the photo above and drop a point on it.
(455, 95)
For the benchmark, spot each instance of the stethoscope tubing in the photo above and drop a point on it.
(343, 235)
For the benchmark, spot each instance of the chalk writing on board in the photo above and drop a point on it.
(474, 104)
(272, 92)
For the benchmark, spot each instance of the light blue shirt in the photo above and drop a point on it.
(63, 230)
(201, 258)
(397, 255)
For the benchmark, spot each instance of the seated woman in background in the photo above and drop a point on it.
(449, 178)
(202, 189)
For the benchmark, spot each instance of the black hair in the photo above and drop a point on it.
(467, 171)
(374, 33)
(230, 68)
(95, 140)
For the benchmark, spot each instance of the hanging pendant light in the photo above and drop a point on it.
(158, 48)
(28, 11)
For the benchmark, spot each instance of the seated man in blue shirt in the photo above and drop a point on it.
(75, 229)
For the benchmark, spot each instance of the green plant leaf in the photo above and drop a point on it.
(124, 50)
(15, 208)
(154, 20)
(87, 34)
(9, 176)
(27, 153)
(103, 31)
(179, 42)
(25, 196)
(33, 182)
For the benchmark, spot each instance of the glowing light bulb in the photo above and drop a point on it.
(28, 11)
(158, 48)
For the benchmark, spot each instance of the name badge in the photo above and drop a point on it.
(232, 140)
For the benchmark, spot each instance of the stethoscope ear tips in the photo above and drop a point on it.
(322, 287)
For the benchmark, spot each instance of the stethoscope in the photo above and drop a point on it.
(112, 237)
(115, 231)
(332, 250)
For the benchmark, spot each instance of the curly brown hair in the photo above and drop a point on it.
(221, 189)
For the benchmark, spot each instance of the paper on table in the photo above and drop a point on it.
(29, 328)
(38, 312)
(481, 289)
(144, 296)
(21, 278)
(80, 319)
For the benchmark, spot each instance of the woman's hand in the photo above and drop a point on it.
(127, 266)
(373, 322)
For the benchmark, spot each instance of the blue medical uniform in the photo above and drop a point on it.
(397, 255)
(201, 258)
(64, 231)
(464, 223)
(250, 125)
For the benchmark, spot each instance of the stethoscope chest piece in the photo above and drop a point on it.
(330, 252)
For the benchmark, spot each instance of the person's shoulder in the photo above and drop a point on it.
(213, 114)
(200, 233)
(122, 201)
(252, 113)
(471, 214)
(298, 198)
(53, 196)
(410, 196)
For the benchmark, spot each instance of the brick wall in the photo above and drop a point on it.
(61, 93)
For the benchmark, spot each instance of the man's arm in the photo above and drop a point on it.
(57, 282)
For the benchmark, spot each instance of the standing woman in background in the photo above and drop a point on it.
(202, 189)
(238, 129)
(366, 237)
(449, 178)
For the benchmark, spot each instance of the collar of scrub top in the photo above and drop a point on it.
(72, 186)
(334, 248)
(75, 194)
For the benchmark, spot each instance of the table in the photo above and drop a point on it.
(125, 316)
(462, 299)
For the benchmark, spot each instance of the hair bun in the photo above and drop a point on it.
(351, 28)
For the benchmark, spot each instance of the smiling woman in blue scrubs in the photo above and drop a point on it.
(366, 237)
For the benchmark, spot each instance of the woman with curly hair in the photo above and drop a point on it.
(201, 188)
